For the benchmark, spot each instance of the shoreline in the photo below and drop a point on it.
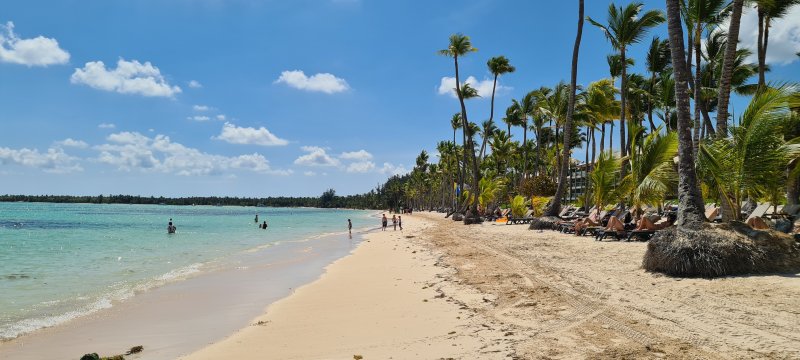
(211, 304)
(444, 290)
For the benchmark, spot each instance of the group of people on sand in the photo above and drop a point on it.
(645, 223)
(396, 221)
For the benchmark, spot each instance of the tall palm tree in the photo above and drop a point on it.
(615, 68)
(555, 205)
(488, 128)
(527, 108)
(658, 60)
(456, 123)
(460, 45)
(498, 65)
(691, 213)
(699, 14)
(767, 11)
(627, 26)
(727, 69)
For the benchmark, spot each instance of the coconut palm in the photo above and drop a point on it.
(460, 45)
(626, 26)
(752, 161)
(691, 212)
(488, 128)
(498, 65)
(768, 10)
(651, 167)
(615, 70)
(727, 69)
(698, 15)
(456, 123)
(555, 205)
(658, 60)
(603, 179)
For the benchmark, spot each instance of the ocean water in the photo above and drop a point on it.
(62, 261)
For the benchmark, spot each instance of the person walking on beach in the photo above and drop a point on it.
(394, 222)
(349, 227)
(384, 222)
(400, 222)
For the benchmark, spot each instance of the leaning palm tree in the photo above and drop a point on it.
(460, 45)
(752, 161)
(555, 205)
(691, 212)
(498, 65)
(626, 26)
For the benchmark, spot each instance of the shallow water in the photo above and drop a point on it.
(62, 261)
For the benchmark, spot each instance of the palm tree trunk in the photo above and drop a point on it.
(762, 54)
(491, 117)
(525, 149)
(697, 123)
(594, 146)
(623, 110)
(555, 205)
(727, 71)
(469, 147)
(602, 139)
(690, 210)
(707, 120)
(611, 139)
(650, 104)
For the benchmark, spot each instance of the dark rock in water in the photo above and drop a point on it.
(544, 223)
(721, 250)
(92, 356)
(135, 350)
(784, 225)
(458, 217)
(469, 220)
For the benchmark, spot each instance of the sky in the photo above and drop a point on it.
(270, 98)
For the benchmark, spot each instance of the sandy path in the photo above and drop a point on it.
(573, 297)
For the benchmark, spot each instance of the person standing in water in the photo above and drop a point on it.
(349, 227)
(256, 218)
(170, 228)
(264, 226)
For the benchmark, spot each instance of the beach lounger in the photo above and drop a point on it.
(523, 220)
(759, 211)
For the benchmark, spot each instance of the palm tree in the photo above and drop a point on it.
(498, 65)
(460, 45)
(627, 26)
(488, 128)
(658, 60)
(603, 179)
(456, 123)
(699, 14)
(652, 168)
(767, 11)
(555, 205)
(691, 213)
(615, 70)
(727, 69)
(752, 162)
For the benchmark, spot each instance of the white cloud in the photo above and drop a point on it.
(390, 169)
(447, 86)
(39, 51)
(70, 142)
(200, 108)
(130, 77)
(784, 36)
(316, 156)
(200, 118)
(309, 173)
(131, 151)
(194, 84)
(356, 155)
(361, 167)
(322, 82)
(249, 136)
(55, 160)
(221, 117)
(106, 126)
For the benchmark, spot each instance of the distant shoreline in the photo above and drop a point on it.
(298, 202)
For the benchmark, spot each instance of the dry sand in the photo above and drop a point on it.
(444, 290)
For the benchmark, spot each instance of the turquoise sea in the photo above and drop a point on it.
(62, 261)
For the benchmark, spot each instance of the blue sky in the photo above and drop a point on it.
(265, 98)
